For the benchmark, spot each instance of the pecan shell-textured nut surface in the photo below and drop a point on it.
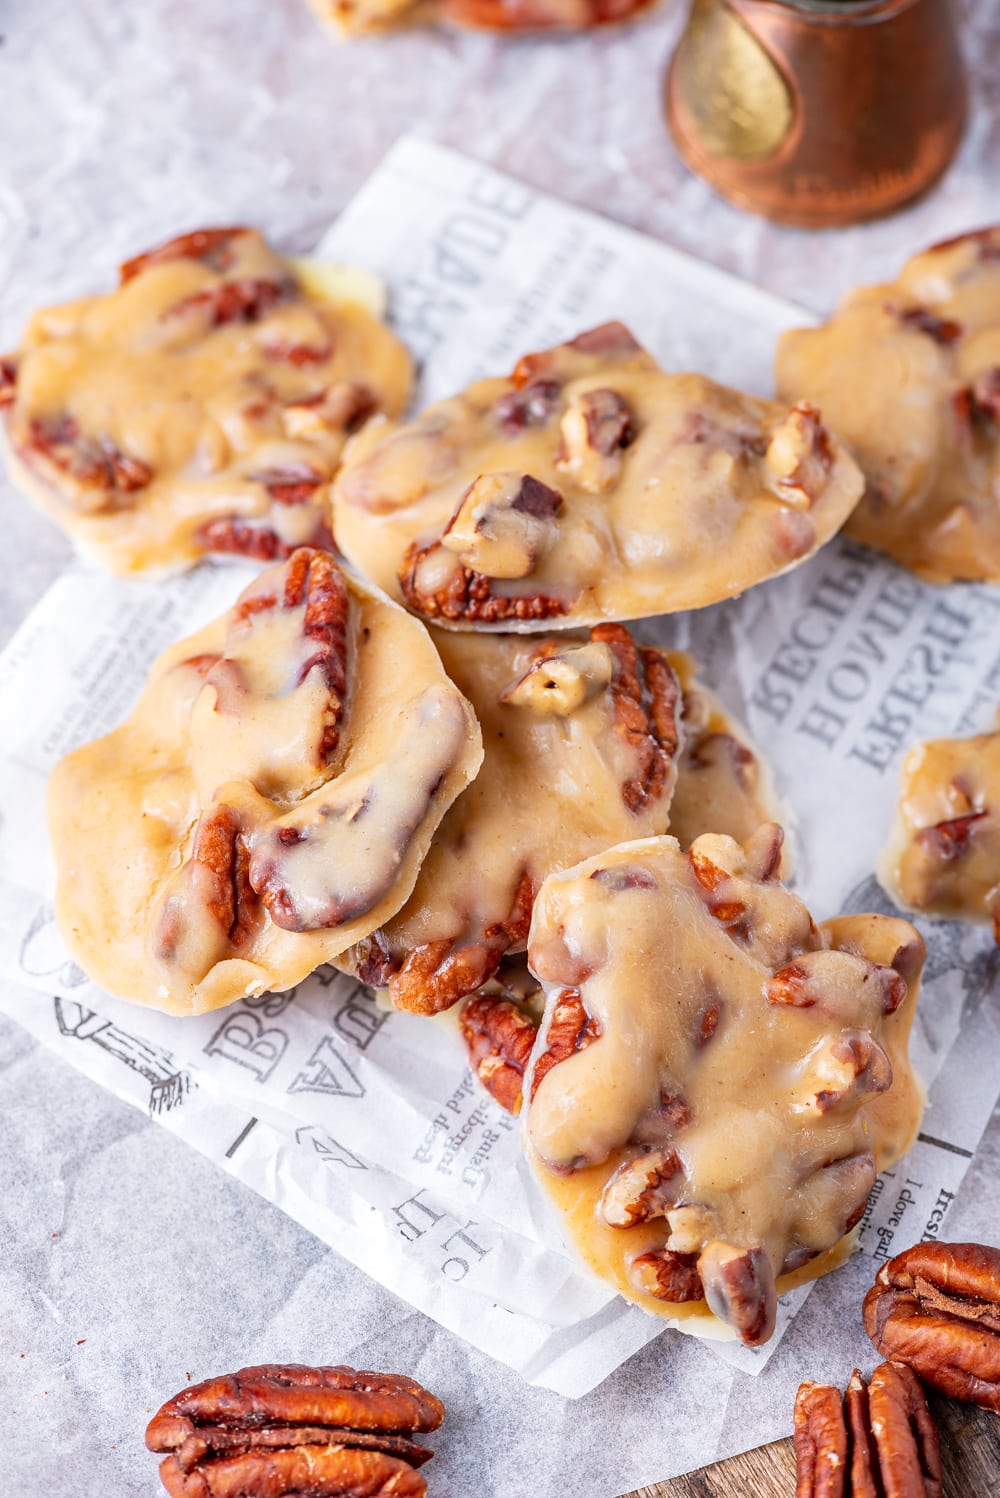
(877, 1441)
(661, 492)
(937, 1307)
(581, 735)
(269, 800)
(943, 853)
(365, 17)
(908, 374)
(499, 1037)
(277, 1430)
(202, 406)
(716, 1078)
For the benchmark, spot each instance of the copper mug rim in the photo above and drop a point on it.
(836, 12)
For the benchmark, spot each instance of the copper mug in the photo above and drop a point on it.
(818, 112)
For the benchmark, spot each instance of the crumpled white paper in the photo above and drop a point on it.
(364, 1124)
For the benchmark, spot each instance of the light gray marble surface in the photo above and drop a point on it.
(126, 1261)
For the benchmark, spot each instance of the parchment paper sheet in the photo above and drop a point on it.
(363, 1124)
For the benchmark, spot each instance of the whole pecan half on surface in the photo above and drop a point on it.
(99, 475)
(274, 1430)
(937, 1307)
(647, 702)
(876, 1442)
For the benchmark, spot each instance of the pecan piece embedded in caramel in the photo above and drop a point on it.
(646, 700)
(642, 1188)
(571, 1029)
(208, 905)
(436, 583)
(311, 581)
(276, 1430)
(559, 683)
(338, 853)
(244, 301)
(596, 427)
(824, 977)
(434, 975)
(986, 242)
(937, 1307)
(99, 474)
(204, 404)
(213, 247)
(844, 1072)
(499, 1037)
(503, 524)
(949, 840)
(944, 330)
(295, 485)
(729, 911)
(606, 338)
(667, 1275)
(315, 580)
(739, 1287)
(8, 381)
(838, 1193)
(800, 454)
(820, 1442)
(742, 1133)
(528, 405)
(986, 394)
(877, 1442)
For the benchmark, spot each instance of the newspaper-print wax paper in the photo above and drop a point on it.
(363, 1123)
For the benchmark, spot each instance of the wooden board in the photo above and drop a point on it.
(970, 1451)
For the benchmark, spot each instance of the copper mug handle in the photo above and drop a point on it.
(818, 112)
